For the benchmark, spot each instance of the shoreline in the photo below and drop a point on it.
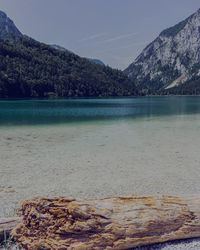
(91, 160)
(150, 156)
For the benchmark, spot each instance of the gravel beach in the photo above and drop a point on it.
(151, 156)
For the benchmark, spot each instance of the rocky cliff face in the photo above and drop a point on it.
(172, 59)
(8, 30)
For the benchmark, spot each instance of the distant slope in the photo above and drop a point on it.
(29, 68)
(171, 60)
(58, 47)
(97, 61)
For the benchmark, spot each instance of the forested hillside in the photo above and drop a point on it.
(32, 69)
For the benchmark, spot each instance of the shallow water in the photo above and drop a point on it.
(98, 147)
(63, 111)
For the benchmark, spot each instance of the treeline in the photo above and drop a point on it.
(32, 69)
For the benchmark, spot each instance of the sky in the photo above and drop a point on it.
(114, 31)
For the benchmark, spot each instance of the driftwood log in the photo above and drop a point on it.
(6, 225)
(112, 223)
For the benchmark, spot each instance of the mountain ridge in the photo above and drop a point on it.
(171, 60)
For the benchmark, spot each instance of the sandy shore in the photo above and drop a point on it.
(138, 157)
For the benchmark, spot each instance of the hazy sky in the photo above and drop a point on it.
(114, 31)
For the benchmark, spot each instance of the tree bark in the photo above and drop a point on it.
(112, 223)
(6, 225)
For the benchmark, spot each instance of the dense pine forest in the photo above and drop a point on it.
(32, 69)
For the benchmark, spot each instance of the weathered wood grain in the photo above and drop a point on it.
(112, 223)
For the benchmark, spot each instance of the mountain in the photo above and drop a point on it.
(171, 63)
(29, 68)
(8, 30)
(96, 61)
(58, 47)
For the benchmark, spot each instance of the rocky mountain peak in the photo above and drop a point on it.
(171, 59)
(8, 30)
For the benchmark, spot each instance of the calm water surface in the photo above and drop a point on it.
(61, 111)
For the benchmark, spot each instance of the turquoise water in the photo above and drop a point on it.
(61, 111)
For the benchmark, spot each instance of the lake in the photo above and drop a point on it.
(62, 111)
(90, 148)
